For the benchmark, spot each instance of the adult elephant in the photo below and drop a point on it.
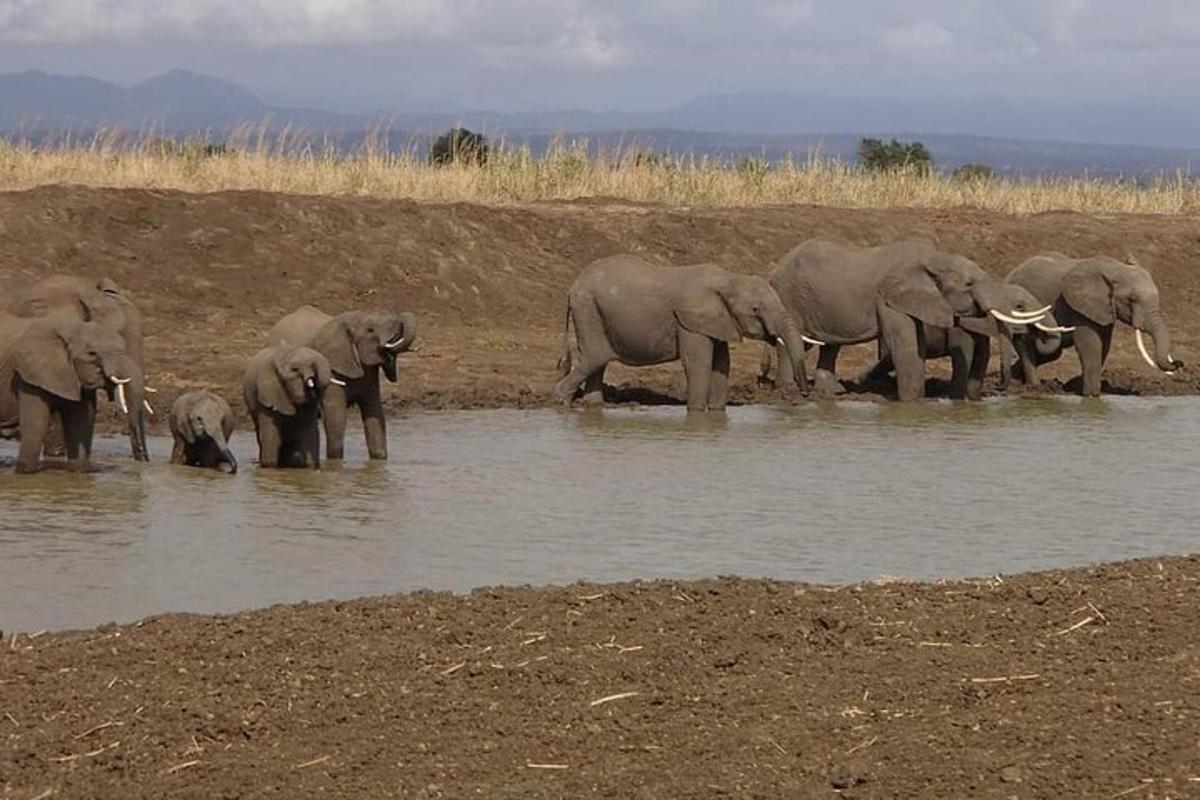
(54, 366)
(1091, 294)
(282, 387)
(624, 308)
(895, 293)
(358, 345)
(1027, 340)
(98, 300)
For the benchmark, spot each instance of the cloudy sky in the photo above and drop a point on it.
(359, 55)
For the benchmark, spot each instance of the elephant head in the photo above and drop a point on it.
(358, 340)
(294, 378)
(731, 306)
(944, 289)
(205, 417)
(1104, 290)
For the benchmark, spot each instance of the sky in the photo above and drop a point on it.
(1046, 56)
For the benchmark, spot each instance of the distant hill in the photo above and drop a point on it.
(35, 104)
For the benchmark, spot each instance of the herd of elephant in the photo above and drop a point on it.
(64, 339)
(915, 301)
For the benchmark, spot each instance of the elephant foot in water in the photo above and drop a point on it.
(826, 386)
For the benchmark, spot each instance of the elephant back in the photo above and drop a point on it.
(299, 328)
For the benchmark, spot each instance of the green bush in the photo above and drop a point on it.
(880, 156)
(459, 146)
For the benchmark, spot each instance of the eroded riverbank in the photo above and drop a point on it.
(1078, 682)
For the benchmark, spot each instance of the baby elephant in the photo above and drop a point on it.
(283, 387)
(202, 423)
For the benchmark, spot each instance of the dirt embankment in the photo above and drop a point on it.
(1077, 683)
(213, 272)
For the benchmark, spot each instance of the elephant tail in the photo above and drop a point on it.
(570, 345)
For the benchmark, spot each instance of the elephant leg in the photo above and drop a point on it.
(593, 387)
(787, 375)
(34, 415)
(78, 422)
(1091, 347)
(593, 349)
(1027, 361)
(370, 408)
(881, 368)
(825, 382)
(981, 356)
(961, 352)
(179, 451)
(270, 441)
(53, 445)
(310, 444)
(696, 351)
(718, 382)
(333, 414)
(764, 365)
(902, 338)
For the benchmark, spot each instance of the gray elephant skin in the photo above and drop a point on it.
(1026, 340)
(98, 300)
(201, 425)
(848, 294)
(359, 345)
(1091, 295)
(283, 387)
(53, 366)
(624, 308)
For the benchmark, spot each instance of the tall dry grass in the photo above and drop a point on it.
(513, 175)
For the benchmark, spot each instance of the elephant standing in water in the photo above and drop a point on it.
(1028, 340)
(97, 300)
(895, 293)
(1090, 295)
(283, 387)
(358, 345)
(627, 309)
(54, 366)
(201, 424)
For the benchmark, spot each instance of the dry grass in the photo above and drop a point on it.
(515, 175)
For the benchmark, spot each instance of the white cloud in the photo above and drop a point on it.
(919, 39)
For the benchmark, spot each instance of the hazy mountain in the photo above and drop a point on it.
(770, 126)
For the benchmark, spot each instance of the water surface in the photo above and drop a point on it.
(835, 493)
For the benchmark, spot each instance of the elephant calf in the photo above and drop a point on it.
(627, 309)
(201, 424)
(358, 345)
(283, 387)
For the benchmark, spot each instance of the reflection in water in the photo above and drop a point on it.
(819, 492)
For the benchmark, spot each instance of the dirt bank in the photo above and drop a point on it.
(214, 271)
(1076, 683)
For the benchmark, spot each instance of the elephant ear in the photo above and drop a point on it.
(704, 312)
(269, 383)
(334, 342)
(1087, 290)
(42, 360)
(917, 295)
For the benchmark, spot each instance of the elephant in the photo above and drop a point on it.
(627, 309)
(958, 343)
(201, 424)
(358, 345)
(54, 365)
(894, 293)
(283, 386)
(1090, 295)
(99, 300)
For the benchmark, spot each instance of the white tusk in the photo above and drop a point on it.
(394, 344)
(1137, 334)
(813, 341)
(308, 382)
(779, 341)
(121, 398)
(1013, 320)
(1041, 312)
(337, 382)
(1055, 329)
(119, 381)
(149, 390)
(148, 407)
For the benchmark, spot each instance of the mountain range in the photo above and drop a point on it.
(35, 104)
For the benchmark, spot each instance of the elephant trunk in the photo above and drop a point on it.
(1156, 326)
(793, 343)
(226, 455)
(129, 389)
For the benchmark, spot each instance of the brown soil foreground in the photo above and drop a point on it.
(1073, 683)
(213, 272)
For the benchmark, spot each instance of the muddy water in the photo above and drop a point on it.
(856, 491)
